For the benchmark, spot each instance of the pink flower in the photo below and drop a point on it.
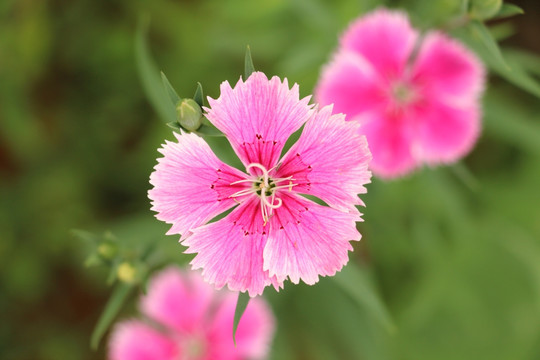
(189, 320)
(414, 109)
(273, 232)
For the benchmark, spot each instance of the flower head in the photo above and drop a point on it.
(272, 233)
(188, 320)
(415, 106)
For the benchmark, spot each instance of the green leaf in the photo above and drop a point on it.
(521, 65)
(86, 236)
(484, 9)
(113, 272)
(508, 10)
(519, 76)
(481, 32)
(241, 305)
(169, 89)
(149, 76)
(248, 63)
(208, 129)
(112, 308)
(174, 125)
(519, 71)
(464, 7)
(464, 174)
(356, 284)
(199, 97)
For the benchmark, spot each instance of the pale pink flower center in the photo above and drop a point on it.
(192, 348)
(266, 188)
(402, 94)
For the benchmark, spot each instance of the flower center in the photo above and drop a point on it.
(192, 348)
(402, 93)
(265, 188)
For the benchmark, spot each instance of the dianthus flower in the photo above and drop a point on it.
(187, 319)
(415, 106)
(273, 232)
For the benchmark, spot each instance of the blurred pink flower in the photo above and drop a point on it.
(189, 320)
(273, 233)
(414, 109)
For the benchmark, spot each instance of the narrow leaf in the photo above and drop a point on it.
(508, 10)
(199, 97)
(149, 76)
(169, 89)
(208, 129)
(356, 284)
(248, 64)
(482, 33)
(521, 66)
(464, 174)
(112, 308)
(174, 125)
(464, 7)
(241, 305)
(85, 235)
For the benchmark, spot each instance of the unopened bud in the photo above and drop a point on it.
(127, 273)
(107, 250)
(189, 114)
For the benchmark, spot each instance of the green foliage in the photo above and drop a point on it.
(355, 283)
(173, 96)
(248, 64)
(113, 306)
(241, 304)
(150, 80)
(481, 34)
(484, 9)
(508, 10)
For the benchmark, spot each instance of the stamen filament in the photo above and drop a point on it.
(264, 187)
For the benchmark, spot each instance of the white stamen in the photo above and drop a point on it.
(263, 184)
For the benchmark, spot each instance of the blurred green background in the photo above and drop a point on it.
(453, 253)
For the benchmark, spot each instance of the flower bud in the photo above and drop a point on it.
(189, 114)
(126, 272)
(485, 9)
(107, 250)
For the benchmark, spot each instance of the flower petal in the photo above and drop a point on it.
(351, 84)
(134, 340)
(191, 185)
(330, 160)
(385, 38)
(444, 67)
(308, 240)
(258, 116)
(230, 250)
(445, 132)
(390, 139)
(253, 335)
(176, 300)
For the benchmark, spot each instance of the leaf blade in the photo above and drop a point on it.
(355, 284)
(241, 305)
(199, 95)
(149, 76)
(115, 302)
(508, 10)
(248, 64)
(173, 96)
(482, 33)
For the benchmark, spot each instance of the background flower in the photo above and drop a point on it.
(414, 108)
(188, 320)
